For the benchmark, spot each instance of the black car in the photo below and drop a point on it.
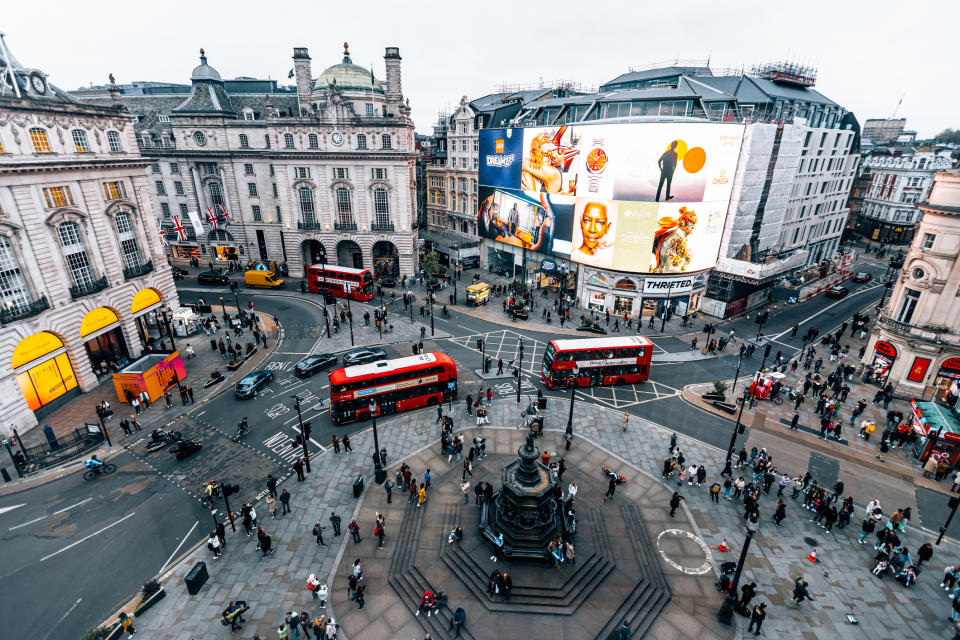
(213, 277)
(836, 292)
(311, 364)
(363, 356)
(862, 276)
(251, 383)
(387, 281)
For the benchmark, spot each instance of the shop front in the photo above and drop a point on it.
(938, 431)
(186, 251)
(44, 372)
(154, 373)
(884, 355)
(637, 296)
(144, 309)
(947, 382)
(553, 275)
(103, 341)
(223, 247)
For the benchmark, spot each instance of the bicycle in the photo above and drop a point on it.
(104, 469)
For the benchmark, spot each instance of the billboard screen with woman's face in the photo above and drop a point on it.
(642, 197)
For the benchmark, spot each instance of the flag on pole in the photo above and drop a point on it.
(163, 234)
(211, 218)
(178, 227)
(224, 215)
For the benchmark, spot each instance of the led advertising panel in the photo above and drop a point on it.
(642, 197)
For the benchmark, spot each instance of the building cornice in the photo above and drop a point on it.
(264, 154)
(60, 166)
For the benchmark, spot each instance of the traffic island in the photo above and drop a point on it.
(633, 561)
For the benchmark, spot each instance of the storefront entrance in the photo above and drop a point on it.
(104, 341)
(947, 383)
(44, 372)
(884, 355)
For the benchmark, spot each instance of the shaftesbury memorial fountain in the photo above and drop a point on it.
(527, 509)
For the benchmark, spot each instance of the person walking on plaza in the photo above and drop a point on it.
(298, 467)
(346, 443)
(780, 513)
(421, 496)
(800, 592)
(272, 485)
(388, 487)
(379, 532)
(611, 489)
(354, 530)
(335, 442)
(757, 617)
(335, 521)
(272, 505)
(284, 502)
(675, 503)
(318, 532)
(924, 553)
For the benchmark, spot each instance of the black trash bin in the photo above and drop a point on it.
(358, 486)
(213, 344)
(542, 403)
(196, 578)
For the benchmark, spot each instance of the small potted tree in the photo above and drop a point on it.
(150, 593)
(718, 393)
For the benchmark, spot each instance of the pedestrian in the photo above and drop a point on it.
(426, 480)
(379, 532)
(126, 623)
(272, 485)
(335, 441)
(924, 553)
(950, 575)
(135, 403)
(346, 443)
(780, 513)
(757, 617)
(439, 413)
(388, 487)
(135, 424)
(715, 492)
(318, 532)
(272, 505)
(625, 421)
(465, 488)
(359, 595)
(354, 530)
(190, 393)
(562, 467)
(298, 467)
(499, 366)
(800, 592)
(213, 544)
(675, 503)
(335, 521)
(421, 495)
(611, 489)
(125, 425)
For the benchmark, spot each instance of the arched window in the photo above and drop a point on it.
(288, 140)
(38, 137)
(199, 138)
(307, 209)
(113, 139)
(244, 141)
(13, 288)
(80, 141)
(344, 206)
(597, 280)
(75, 253)
(128, 241)
(313, 141)
(381, 207)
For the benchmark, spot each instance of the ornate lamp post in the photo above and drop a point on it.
(726, 610)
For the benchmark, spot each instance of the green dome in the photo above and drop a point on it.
(349, 77)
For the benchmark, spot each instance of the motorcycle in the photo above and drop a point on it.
(242, 429)
(184, 448)
(443, 311)
(160, 439)
(208, 496)
(610, 473)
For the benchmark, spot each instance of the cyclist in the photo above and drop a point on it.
(211, 488)
(93, 463)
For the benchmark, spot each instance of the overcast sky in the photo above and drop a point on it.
(868, 53)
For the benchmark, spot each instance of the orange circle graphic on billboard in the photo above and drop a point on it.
(694, 159)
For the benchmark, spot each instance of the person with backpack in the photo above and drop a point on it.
(318, 532)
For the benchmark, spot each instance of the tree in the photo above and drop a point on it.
(431, 264)
(948, 135)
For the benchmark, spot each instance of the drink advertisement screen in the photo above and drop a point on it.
(641, 197)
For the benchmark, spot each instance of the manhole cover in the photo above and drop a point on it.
(810, 541)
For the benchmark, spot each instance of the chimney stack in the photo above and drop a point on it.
(393, 89)
(301, 70)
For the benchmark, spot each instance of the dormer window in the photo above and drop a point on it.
(248, 114)
(199, 138)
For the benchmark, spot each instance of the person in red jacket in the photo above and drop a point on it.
(426, 603)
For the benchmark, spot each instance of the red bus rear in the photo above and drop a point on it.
(341, 282)
(600, 361)
(392, 385)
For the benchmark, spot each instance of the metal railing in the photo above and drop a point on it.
(381, 226)
(345, 226)
(12, 314)
(79, 291)
(311, 225)
(45, 456)
(140, 270)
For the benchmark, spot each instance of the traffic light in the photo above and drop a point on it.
(766, 352)
(327, 298)
(250, 305)
(479, 344)
(230, 489)
(233, 287)
(299, 442)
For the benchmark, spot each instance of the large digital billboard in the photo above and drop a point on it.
(641, 197)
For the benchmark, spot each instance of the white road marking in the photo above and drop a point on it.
(85, 538)
(26, 523)
(466, 328)
(62, 618)
(201, 413)
(12, 507)
(291, 353)
(72, 506)
(826, 308)
(164, 565)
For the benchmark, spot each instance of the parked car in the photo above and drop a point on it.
(836, 292)
(862, 276)
(213, 277)
(251, 383)
(312, 364)
(363, 356)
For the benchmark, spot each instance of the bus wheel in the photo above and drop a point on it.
(432, 401)
(364, 416)
(618, 382)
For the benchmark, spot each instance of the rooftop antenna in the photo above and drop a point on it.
(894, 115)
(8, 75)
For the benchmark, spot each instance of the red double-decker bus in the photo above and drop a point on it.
(393, 385)
(342, 282)
(600, 361)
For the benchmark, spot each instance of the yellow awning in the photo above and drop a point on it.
(97, 319)
(34, 347)
(145, 298)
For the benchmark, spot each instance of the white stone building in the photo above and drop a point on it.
(327, 169)
(897, 178)
(82, 266)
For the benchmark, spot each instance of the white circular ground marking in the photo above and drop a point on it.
(692, 571)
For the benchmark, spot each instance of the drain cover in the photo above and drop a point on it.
(810, 541)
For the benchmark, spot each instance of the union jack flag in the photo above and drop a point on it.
(163, 234)
(212, 218)
(224, 215)
(178, 227)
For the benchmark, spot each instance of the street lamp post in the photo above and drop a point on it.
(303, 434)
(166, 324)
(226, 318)
(573, 393)
(726, 611)
(953, 504)
(663, 317)
(519, 369)
(430, 297)
(737, 428)
(350, 319)
(377, 463)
